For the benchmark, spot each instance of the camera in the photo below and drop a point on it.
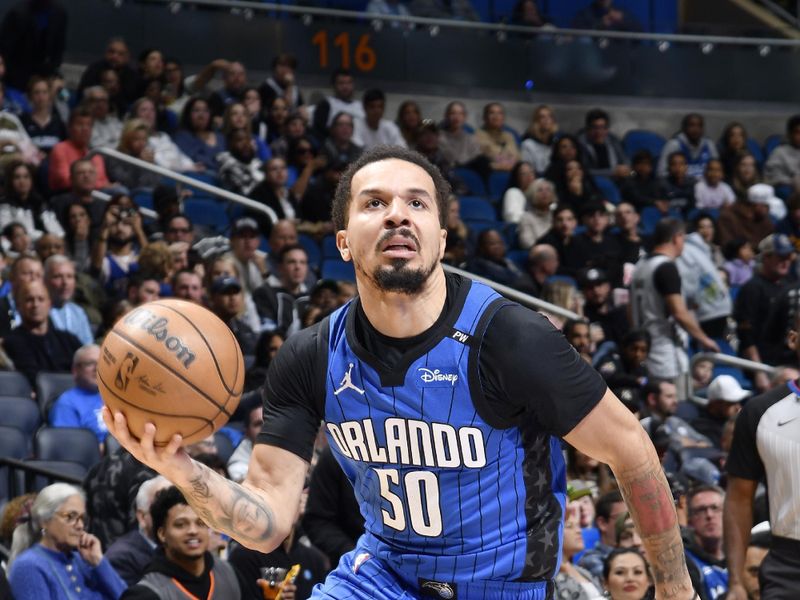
(126, 213)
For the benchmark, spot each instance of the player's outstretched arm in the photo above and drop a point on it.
(258, 513)
(610, 433)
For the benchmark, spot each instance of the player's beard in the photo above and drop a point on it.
(397, 276)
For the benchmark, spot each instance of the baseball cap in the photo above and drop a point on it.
(776, 243)
(223, 285)
(578, 488)
(761, 193)
(244, 224)
(592, 276)
(725, 387)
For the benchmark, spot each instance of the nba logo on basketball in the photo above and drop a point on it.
(126, 369)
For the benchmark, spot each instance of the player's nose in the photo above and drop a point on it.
(397, 213)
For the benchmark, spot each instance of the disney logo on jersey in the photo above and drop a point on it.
(436, 377)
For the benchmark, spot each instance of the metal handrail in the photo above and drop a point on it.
(477, 25)
(512, 294)
(106, 197)
(180, 177)
(729, 361)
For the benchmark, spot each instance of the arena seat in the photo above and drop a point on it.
(338, 270)
(643, 139)
(37, 482)
(498, 182)
(71, 444)
(49, 386)
(14, 383)
(771, 143)
(224, 446)
(519, 258)
(608, 188)
(312, 250)
(651, 216)
(329, 249)
(21, 413)
(475, 208)
(472, 180)
(755, 149)
(207, 213)
(13, 443)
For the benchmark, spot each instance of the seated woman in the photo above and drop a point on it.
(43, 123)
(497, 144)
(237, 117)
(732, 145)
(539, 139)
(626, 576)
(277, 114)
(21, 202)
(133, 142)
(459, 146)
(490, 259)
(240, 170)
(409, 120)
(165, 153)
(53, 556)
(196, 137)
(572, 581)
(518, 191)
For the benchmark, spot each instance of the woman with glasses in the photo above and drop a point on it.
(53, 556)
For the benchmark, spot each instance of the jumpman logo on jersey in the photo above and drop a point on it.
(347, 383)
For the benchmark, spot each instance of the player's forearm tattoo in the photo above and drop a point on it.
(230, 507)
(650, 502)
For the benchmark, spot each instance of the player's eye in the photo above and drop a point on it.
(417, 203)
(374, 203)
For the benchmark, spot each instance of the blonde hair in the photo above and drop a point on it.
(131, 127)
(534, 128)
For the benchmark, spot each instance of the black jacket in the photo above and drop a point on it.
(32, 353)
(130, 555)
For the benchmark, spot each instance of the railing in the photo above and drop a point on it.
(512, 294)
(20, 485)
(309, 12)
(189, 181)
(728, 361)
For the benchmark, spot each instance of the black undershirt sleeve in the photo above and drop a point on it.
(294, 392)
(667, 280)
(743, 459)
(529, 370)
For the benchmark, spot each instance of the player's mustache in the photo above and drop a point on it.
(401, 231)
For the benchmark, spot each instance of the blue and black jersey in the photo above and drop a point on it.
(450, 439)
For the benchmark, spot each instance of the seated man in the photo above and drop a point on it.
(36, 345)
(80, 406)
(282, 300)
(181, 566)
(59, 276)
(76, 146)
(130, 554)
(227, 302)
(237, 463)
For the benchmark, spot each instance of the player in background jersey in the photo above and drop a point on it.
(389, 212)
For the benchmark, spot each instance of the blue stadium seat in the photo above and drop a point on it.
(651, 216)
(49, 386)
(476, 227)
(208, 213)
(14, 383)
(711, 212)
(642, 139)
(755, 149)
(472, 180)
(519, 258)
(338, 270)
(144, 199)
(564, 278)
(510, 235)
(13, 443)
(475, 208)
(71, 444)
(312, 249)
(329, 249)
(20, 412)
(771, 143)
(498, 182)
(608, 188)
(62, 467)
(224, 445)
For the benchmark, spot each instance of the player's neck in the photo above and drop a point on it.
(401, 315)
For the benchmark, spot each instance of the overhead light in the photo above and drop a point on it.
(663, 46)
(764, 50)
(306, 19)
(706, 47)
(602, 43)
(174, 7)
(501, 36)
(377, 24)
(434, 30)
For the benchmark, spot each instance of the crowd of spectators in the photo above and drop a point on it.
(658, 256)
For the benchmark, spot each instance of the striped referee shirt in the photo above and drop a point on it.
(766, 444)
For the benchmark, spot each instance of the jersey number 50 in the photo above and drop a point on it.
(421, 490)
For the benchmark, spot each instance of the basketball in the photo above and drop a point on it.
(172, 363)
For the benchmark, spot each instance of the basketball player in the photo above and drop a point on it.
(443, 403)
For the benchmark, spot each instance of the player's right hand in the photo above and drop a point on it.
(736, 592)
(171, 460)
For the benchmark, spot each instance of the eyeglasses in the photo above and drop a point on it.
(87, 363)
(714, 509)
(72, 517)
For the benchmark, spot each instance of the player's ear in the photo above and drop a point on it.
(792, 340)
(342, 244)
(442, 242)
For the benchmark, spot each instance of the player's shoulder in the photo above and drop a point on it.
(307, 342)
(755, 407)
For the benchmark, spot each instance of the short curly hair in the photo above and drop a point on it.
(343, 196)
(162, 503)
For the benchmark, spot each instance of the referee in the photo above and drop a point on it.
(766, 446)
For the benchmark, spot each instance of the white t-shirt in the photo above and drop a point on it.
(387, 133)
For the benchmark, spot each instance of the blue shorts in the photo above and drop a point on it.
(360, 576)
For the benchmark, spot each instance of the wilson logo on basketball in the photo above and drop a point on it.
(126, 369)
(157, 327)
